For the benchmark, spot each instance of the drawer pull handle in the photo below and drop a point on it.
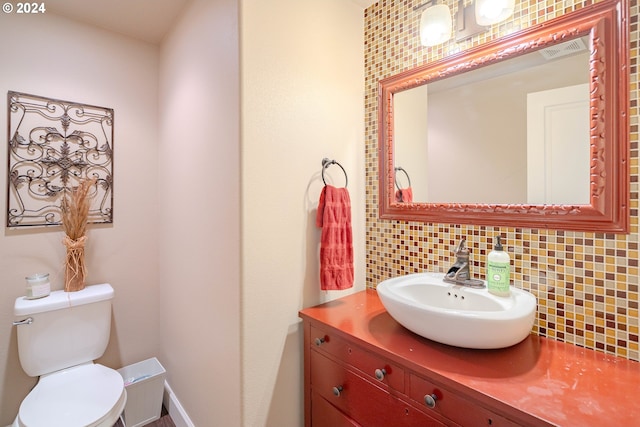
(337, 390)
(380, 374)
(320, 341)
(430, 400)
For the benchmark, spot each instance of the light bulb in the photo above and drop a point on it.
(490, 12)
(435, 25)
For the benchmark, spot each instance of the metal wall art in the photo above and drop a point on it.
(53, 145)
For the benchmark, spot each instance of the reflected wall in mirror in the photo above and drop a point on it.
(524, 120)
(530, 130)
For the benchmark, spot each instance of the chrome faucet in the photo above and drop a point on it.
(460, 273)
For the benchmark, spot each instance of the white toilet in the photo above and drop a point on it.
(59, 337)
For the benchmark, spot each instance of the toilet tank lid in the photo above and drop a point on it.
(59, 299)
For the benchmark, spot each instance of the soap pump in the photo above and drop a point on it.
(498, 269)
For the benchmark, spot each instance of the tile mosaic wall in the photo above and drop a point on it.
(586, 283)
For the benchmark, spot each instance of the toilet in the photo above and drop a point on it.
(59, 337)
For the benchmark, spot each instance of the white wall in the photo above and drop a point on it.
(198, 187)
(54, 57)
(302, 100)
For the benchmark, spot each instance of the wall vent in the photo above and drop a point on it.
(563, 49)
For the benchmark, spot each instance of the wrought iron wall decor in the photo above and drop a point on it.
(53, 145)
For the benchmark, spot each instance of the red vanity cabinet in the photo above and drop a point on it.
(361, 368)
(350, 386)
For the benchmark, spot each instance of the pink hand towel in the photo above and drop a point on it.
(404, 195)
(336, 243)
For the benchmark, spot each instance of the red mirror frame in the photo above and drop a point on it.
(607, 24)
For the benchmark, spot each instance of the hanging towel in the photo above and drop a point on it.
(404, 195)
(336, 243)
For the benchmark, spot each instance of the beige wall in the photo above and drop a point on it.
(302, 100)
(198, 190)
(284, 138)
(411, 142)
(50, 56)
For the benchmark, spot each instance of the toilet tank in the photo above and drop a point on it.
(68, 328)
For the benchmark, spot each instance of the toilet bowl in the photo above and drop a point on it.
(59, 336)
(89, 395)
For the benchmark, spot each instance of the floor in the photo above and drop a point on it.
(164, 421)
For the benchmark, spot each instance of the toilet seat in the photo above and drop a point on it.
(88, 395)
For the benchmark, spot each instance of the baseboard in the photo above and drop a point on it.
(175, 409)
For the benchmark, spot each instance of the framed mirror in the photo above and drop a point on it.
(530, 130)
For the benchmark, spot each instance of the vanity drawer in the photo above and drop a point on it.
(324, 414)
(371, 365)
(453, 407)
(364, 401)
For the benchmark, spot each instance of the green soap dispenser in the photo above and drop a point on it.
(498, 270)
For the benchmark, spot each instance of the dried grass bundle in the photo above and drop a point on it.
(75, 209)
(75, 215)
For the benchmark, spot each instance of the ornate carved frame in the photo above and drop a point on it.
(607, 24)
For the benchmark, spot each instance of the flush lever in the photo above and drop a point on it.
(27, 321)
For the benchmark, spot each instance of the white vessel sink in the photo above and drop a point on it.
(457, 315)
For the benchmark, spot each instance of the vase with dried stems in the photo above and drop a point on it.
(75, 214)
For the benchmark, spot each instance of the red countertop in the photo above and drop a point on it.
(540, 380)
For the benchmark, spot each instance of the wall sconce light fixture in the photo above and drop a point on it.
(490, 12)
(466, 25)
(436, 21)
(435, 25)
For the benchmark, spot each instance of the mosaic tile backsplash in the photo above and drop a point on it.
(586, 283)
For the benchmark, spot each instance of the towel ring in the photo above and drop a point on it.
(326, 163)
(395, 177)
